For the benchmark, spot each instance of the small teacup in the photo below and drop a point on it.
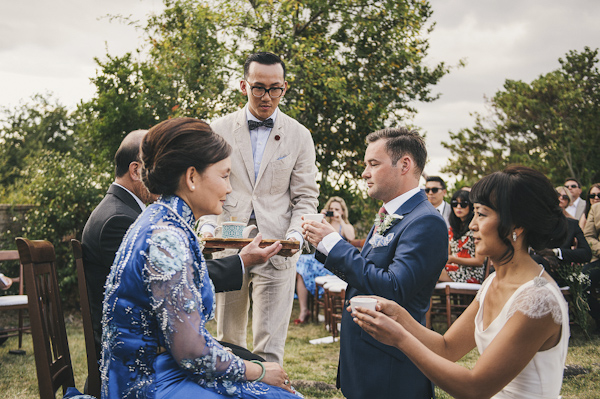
(231, 229)
(317, 217)
(363, 302)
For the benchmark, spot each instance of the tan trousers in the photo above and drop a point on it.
(272, 300)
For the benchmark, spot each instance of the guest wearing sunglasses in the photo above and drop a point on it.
(464, 265)
(435, 188)
(593, 197)
(574, 249)
(577, 205)
(565, 200)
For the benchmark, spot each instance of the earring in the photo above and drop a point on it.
(193, 187)
(514, 236)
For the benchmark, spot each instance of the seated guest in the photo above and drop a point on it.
(308, 268)
(575, 249)
(464, 265)
(519, 320)
(593, 197)
(158, 295)
(592, 235)
(565, 200)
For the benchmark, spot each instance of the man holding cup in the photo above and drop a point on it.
(401, 260)
(273, 177)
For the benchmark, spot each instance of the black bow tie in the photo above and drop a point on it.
(255, 125)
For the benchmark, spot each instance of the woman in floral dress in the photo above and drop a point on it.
(464, 265)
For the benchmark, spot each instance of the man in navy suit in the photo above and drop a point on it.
(401, 260)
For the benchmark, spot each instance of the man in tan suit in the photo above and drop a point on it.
(273, 176)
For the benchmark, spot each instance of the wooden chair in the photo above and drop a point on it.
(14, 302)
(93, 381)
(335, 293)
(451, 299)
(50, 346)
(318, 301)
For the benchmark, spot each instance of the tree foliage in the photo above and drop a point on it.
(551, 124)
(353, 67)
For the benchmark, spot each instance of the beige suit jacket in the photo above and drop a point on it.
(592, 231)
(285, 187)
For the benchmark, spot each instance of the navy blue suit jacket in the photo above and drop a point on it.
(405, 271)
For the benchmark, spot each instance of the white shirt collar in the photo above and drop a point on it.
(441, 207)
(140, 203)
(250, 117)
(393, 205)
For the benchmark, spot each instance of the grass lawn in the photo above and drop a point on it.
(312, 368)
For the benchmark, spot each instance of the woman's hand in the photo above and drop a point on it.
(275, 375)
(389, 308)
(380, 326)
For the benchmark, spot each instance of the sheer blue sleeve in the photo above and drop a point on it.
(179, 292)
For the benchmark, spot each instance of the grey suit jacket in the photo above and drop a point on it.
(285, 186)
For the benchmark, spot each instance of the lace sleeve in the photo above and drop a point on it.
(536, 302)
(177, 300)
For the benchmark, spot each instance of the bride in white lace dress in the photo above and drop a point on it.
(519, 321)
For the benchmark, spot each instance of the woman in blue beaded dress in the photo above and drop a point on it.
(158, 295)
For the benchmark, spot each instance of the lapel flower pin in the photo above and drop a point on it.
(383, 224)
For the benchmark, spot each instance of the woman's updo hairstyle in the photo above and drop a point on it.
(525, 198)
(174, 145)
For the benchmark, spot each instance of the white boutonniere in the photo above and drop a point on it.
(383, 224)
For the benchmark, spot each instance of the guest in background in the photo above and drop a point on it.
(574, 249)
(592, 235)
(308, 268)
(577, 205)
(435, 188)
(565, 200)
(593, 197)
(519, 320)
(159, 295)
(464, 265)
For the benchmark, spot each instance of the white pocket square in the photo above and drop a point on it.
(381, 241)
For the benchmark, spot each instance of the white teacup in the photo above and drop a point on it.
(363, 302)
(317, 217)
(231, 229)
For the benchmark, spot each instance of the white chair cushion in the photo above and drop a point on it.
(458, 286)
(336, 287)
(324, 279)
(13, 300)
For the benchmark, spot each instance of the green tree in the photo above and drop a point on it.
(65, 192)
(551, 124)
(35, 125)
(353, 67)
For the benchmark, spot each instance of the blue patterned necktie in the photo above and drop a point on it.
(255, 125)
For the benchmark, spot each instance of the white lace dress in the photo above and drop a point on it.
(542, 377)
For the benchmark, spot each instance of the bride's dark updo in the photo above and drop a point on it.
(174, 145)
(523, 197)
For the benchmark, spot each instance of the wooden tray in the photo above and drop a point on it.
(213, 244)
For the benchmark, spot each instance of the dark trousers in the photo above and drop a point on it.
(593, 271)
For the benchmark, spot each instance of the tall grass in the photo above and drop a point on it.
(312, 368)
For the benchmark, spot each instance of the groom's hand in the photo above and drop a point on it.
(314, 232)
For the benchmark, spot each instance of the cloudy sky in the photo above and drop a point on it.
(49, 46)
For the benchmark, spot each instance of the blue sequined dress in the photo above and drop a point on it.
(158, 294)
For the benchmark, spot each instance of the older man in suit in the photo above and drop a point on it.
(401, 260)
(273, 177)
(108, 223)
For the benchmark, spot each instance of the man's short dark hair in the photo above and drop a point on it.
(264, 58)
(437, 179)
(400, 142)
(573, 179)
(128, 152)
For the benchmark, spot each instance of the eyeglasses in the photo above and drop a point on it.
(572, 186)
(455, 203)
(433, 190)
(565, 197)
(592, 196)
(259, 91)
